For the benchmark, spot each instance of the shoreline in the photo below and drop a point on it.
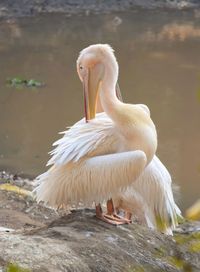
(21, 8)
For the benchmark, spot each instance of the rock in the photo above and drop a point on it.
(21, 219)
(80, 242)
(18, 8)
(20, 212)
(37, 238)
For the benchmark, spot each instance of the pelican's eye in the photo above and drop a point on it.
(81, 71)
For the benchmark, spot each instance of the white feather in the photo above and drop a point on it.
(76, 161)
(86, 165)
(150, 198)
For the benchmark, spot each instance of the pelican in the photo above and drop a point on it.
(96, 159)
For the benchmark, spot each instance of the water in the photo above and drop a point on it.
(159, 58)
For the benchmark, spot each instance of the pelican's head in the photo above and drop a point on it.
(95, 65)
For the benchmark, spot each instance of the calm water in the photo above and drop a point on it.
(159, 58)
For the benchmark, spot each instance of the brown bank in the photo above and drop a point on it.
(40, 239)
(19, 8)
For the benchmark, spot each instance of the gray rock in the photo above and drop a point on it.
(80, 242)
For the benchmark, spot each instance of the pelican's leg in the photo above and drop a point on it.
(128, 215)
(110, 207)
(107, 218)
(111, 214)
(99, 211)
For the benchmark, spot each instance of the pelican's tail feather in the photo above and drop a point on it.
(151, 197)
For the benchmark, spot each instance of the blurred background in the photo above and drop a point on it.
(158, 52)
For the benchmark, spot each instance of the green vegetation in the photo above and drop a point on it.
(160, 252)
(183, 239)
(195, 247)
(20, 82)
(16, 268)
(180, 264)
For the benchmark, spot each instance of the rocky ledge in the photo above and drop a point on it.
(79, 242)
(36, 238)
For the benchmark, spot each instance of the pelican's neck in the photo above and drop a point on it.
(109, 101)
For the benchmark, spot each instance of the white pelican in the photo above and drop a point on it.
(97, 159)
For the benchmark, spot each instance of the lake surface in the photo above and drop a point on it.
(159, 59)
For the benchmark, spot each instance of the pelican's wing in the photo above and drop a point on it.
(86, 167)
(94, 138)
(91, 180)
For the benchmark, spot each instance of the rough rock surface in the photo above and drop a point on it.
(41, 239)
(80, 242)
(18, 8)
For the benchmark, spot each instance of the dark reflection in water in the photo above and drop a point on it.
(159, 60)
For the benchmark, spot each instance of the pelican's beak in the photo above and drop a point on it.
(91, 86)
